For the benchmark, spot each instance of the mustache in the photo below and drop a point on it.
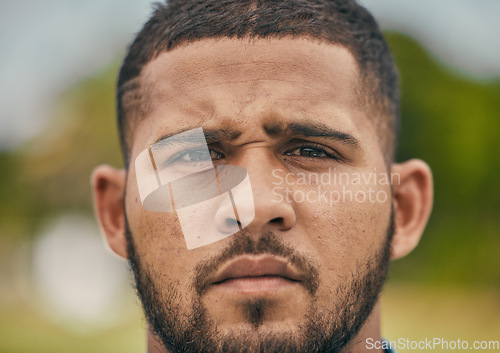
(244, 244)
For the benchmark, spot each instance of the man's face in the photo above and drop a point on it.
(289, 109)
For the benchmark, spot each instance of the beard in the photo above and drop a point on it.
(323, 330)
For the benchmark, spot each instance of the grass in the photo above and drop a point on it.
(417, 313)
(23, 330)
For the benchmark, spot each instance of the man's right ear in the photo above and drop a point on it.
(108, 185)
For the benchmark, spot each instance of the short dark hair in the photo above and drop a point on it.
(342, 22)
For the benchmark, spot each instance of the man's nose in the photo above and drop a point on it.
(270, 207)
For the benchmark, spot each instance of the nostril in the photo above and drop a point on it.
(277, 220)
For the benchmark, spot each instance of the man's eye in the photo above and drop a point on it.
(309, 152)
(196, 156)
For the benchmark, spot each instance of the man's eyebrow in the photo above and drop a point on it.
(298, 129)
(306, 129)
(211, 136)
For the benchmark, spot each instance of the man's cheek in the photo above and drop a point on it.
(163, 252)
(159, 236)
(344, 234)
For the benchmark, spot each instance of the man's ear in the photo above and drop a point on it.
(413, 198)
(108, 185)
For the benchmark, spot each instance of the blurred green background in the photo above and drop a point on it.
(448, 287)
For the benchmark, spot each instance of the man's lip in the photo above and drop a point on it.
(257, 266)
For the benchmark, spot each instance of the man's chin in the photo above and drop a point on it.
(276, 311)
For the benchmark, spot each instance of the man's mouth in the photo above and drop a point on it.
(254, 274)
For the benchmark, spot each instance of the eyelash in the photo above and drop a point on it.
(328, 152)
(183, 151)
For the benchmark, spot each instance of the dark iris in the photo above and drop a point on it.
(311, 152)
(216, 155)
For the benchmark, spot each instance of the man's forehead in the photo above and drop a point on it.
(213, 62)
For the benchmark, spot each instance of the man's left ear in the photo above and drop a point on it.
(413, 198)
(108, 186)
